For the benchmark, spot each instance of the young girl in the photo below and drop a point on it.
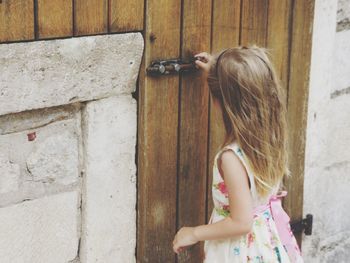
(248, 223)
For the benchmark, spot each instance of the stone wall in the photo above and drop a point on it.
(67, 138)
(327, 164)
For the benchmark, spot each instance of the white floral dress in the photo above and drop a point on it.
(263, 243)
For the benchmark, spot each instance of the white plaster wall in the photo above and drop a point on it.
(327, 163)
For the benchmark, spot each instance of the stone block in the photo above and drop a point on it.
(343, 15)
(47, 164)
(55, 159)
(109, 197)
(48, 73)
(9, 175)
(44, 230)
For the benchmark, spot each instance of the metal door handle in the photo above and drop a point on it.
(171, 66)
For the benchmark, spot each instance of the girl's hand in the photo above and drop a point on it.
(205, 61)
(184, 237)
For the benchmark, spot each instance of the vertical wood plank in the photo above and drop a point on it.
(278, 36)
(254, 22)
(303, 13)
(225, 33)
(225, 24)
(126, 15)
(16, 20)
(54, 18)
(192, 175)
(157, 136)
(90, 17)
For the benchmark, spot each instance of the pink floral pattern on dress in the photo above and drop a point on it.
(222, 188)
(261, 244)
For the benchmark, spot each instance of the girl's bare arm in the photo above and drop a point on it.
(240, 220)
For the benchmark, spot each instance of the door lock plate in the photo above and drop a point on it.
(171, 66)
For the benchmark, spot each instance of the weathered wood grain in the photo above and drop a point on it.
(126, 15)
(193, 130)
(54, 18)
(298, 90)
(158, 137)
(90, 17)
(16, 20)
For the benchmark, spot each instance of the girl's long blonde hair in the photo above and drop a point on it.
(253, 104)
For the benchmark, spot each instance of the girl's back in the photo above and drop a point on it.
(264, 243)
(248, 223)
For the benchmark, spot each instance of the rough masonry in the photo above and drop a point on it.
(67, 137)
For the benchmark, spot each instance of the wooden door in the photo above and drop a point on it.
(177, 133)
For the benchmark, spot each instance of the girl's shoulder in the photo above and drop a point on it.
(236, 148)
(233, 146)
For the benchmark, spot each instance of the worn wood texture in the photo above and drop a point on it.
(158, 137)
(278, 37)
(193, 126)
(225, 34)
(16, 20)
(254, 22)
(298, 91)
(126, 15)
(54, 18)
(90, 17)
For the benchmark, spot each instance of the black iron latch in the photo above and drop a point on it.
(171, 66)
(303, 225)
